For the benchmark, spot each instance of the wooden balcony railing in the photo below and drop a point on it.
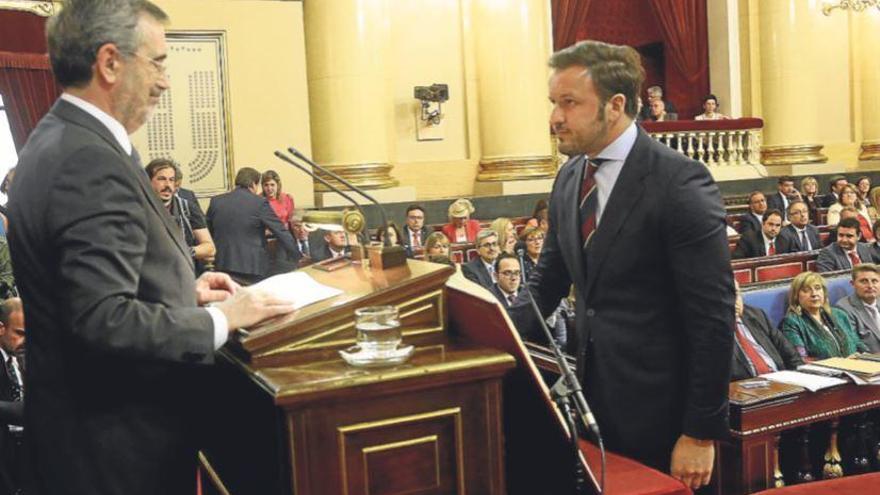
(713, 142)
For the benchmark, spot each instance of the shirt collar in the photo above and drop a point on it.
(619, 149)
(112, 125)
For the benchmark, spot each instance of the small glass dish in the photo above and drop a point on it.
(355, 356)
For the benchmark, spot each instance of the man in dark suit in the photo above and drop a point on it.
(760, 347)
(783, 196)
(238, 221)
(303, 251)
(752, 220)
(655, 296)
(117, 334)
(12, 337)
(800, 234)
(834, 186)
(334, 246)
(509, 274)
(415, 232)
(765, 242)
(481, 269)
(846, 252)
(861, 305)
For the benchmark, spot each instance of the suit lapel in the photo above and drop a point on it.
(627, 191)
(862, 313)
(569, 232)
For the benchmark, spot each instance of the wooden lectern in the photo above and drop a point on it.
(297, 419)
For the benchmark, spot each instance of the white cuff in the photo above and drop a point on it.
(221, 327)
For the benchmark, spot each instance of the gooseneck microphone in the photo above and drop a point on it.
(296, 153)
(319, 179)
(567, 391)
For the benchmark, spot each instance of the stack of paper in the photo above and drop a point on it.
(862, 372)
(298, 288)
(806, 380)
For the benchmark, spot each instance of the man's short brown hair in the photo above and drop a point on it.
(864, 267)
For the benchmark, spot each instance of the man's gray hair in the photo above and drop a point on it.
(485, 233)
(76, 33)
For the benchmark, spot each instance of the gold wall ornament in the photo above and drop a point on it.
(42, 9)
(363, 175)
(524, 168)
(792, 154)
(854, 5)
(870, 150)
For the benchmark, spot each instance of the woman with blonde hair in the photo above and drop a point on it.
(813, 327)
(810, 196)
(533, 239)
(460, 227)
(849, 196)
(875, 201)
(506, 232)
(436, 244)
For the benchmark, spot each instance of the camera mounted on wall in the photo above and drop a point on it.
(431, 97)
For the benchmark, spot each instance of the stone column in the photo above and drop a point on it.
(512, 45)
(345, 52)
(870, 83)
(804, 81)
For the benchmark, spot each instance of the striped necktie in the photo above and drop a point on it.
(589, 200)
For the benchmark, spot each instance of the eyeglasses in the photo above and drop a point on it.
(489, 244)
(511, 273)
(159, 66)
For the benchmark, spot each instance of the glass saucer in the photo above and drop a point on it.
(356, 357)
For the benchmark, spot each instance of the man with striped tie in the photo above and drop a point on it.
(640, 231)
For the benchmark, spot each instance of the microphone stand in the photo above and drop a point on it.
(569, 396)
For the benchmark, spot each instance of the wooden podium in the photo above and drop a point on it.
(295, 418)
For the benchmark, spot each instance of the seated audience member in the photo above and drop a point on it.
(437, 244)
(834, 186)
(561, 323)
(800, 235)
(509, 275)
(482, 268)
(533, 239)
(335, 246)
(875, 246)
(755, 216)
(810, 195)
(163, 174)
(710, 109)
(874, 208)
(863, 187)
(238, 221)
(280, 201)
(506, 232)
(540, 216)
(415, 232)
(813, 327)
(760, 348)
(765, 242)
(846, 252)
(659, 113)
(655, 93)
(785, 194)
(12, 342)
(849, 197)
(846, 212)
(7, 278)
(461, 228)
(861, 305)
(393, 234)
(302, 254)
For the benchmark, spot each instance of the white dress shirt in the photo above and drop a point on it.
(615, 155)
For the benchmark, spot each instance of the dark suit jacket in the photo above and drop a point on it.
(775, 202)
(11, 454)
(323, 253)
(501, 296)
(784, 355)
(475, 271)
(875, 252)
(654, 326)
(789, 233)
(238, 221)
(748, 223)
(407, 241)
(751, 245)
(828, 200)
(113, 396)
(832, 258)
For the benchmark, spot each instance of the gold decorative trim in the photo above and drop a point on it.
(432, 439)
(792, 154)
(215, 478)
(42, 9)
(870, 150)
(537, 167)
(843, 411)
(363, 175)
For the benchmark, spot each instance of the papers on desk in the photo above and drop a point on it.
(298, 288)
(806, 380)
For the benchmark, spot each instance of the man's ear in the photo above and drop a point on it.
(2, 329)
(108, 64)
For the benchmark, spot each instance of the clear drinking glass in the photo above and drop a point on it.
(378, 330)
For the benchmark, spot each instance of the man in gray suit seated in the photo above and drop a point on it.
(481, 270)
(861, 305)
(846, 252)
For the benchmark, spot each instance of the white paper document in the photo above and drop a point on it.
(298, 288)
(806, 380)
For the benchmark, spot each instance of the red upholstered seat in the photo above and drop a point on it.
(823, 237)
(811, 266)
(863, 484)
(743, 276)
(457, 256)
(775, 272)
(472, 254)
(628, 477)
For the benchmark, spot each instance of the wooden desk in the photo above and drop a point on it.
(749, 461)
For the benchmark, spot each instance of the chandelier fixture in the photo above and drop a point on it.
(854, 5)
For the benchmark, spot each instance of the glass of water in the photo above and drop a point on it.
(378, 330)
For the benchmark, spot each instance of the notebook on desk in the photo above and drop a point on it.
(742, 393)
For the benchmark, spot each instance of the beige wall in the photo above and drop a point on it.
(268, 97)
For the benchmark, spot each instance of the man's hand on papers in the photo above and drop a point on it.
(214, 287)
(249, 306)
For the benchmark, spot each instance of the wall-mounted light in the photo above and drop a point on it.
(431, 97)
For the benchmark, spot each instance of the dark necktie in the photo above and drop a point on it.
(14, 382)
(510, 299)
(304, 247)
(589, 201)
(750, 351)
(805, 243)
